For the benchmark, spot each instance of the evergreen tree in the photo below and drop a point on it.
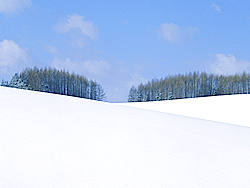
(19, 82)
(132, 97)
(190, 85)
(101, 96)
(159, 96)
(170, 96)
(3, 83)
(59, 82)
(139, 97)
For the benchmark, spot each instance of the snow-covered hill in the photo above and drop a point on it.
(49, 140)
(231, 109)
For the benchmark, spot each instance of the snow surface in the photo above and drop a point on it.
(231, 109)
(48, 140)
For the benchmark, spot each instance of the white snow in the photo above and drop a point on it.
(231, 109)
(49, 140)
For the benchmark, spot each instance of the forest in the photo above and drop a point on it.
(55, 81)
(190, 85)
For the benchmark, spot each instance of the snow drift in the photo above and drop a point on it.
(231, 109)
(48, 140)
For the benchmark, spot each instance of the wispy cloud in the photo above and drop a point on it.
(96, 67)
(12, 58)
(52, 49)
(76, 22)
(176, 34)
(217, 8)
(228, 64)
(11, 6)
(87, 67)
(125, 22)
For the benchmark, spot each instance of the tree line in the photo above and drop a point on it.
(56, 81)
(190, 85)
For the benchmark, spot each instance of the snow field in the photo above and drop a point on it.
(49, 140)
(232, 109)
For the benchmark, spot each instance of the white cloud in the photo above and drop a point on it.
(176, 34)
(88, 67)
(78, 22)
(52, 49)
(11, 6)
(228, 64)
(96, 67)
(217, 8)
(13, 58)
(135, 79)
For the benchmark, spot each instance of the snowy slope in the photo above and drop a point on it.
(231, 109)
(50, 140)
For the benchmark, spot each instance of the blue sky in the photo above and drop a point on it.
(124, 43)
